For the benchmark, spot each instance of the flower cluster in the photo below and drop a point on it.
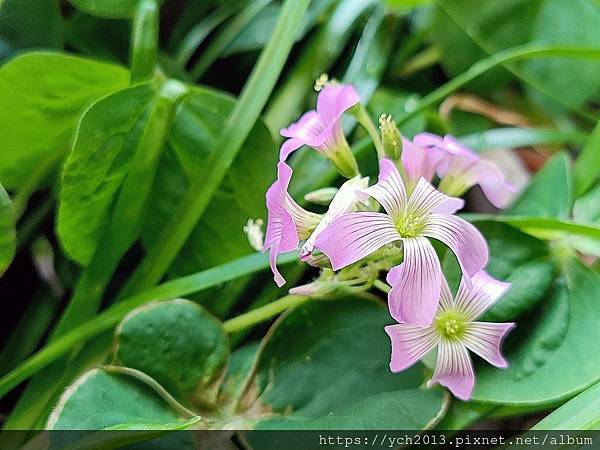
(353, 241)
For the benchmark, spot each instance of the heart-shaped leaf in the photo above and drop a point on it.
(42, 95)
(325, 365)
(102, 152)
(178, 344)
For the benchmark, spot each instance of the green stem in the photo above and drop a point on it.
(237, 128)
(263, 313)
(363, 118)
(383, 287)
(144, 41)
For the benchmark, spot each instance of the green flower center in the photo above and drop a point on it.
(451, 325)
(409, 226)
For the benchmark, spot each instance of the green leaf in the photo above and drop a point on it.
(579, 413)
(41, 97)
(508, 137)
(8, 237)
(115, 399)
(557, 339)
(33, 23)
(586, 170)
(109, 9)
(325, 365)
(219, 235)
(178, 344)
(548, 194)
(96, 167)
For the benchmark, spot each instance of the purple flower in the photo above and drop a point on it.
(287, 222)
(427, 213)
(460, 168)
(417, 163)
(322, 129)
(454, 332)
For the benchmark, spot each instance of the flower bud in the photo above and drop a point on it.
(391, 137)
(321, 196)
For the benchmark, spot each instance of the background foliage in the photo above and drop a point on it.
(139, 136)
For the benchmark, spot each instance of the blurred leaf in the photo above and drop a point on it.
(41, 98)
(178, 344)
(100, 38)
(325, 365)
(29, 24)
(109, 9)
(219, 236)
(579, 413)
(104, 146)
(586, 209)
(548, 194)
(586, 170)
(557, 339)
(508, 138)
(8, 236)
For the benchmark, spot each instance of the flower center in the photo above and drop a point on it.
(409, 226)
(451, 325)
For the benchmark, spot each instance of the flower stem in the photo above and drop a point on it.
(363, 118)
(263, 313)
(144, 41)
(383, 287)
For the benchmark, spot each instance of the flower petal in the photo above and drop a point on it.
(496, 189)
(485, 339)
(334, 100)
(452, 158)
(426, 199)
(416, 162)
(446, 299)
(476, 297)
(454, 369)
(464, 240)
(308, 130)
(416, 283)
(344, 201)
(286, 219)
(409, 344)
(389, 190)
(352, 236)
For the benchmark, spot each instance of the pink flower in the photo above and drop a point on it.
(287, 222)
(322, 129)
(454, 332)
(417, 163)
(427, 213)
(460, 168)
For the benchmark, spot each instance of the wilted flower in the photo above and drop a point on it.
(287, 223)
(460, 168)
(427, 213)
(322, 130)
(454, 331)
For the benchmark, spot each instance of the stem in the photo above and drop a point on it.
(144, 41)
(252, 100)
(383, 287)
(363, 118)
(263, 313)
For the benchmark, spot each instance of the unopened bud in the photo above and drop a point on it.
(321, 82)
(391, 137)
(321, 196)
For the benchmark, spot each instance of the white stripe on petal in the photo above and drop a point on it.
(454, 369)
(409, 344)
(352, 236)
(415, 293)
(485, 340)
(476, 297)
(426, 199)
(464, 240)
(389, 190)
